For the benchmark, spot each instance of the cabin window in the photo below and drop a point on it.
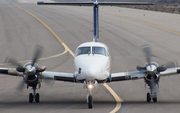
(83, 50)
(98, 50)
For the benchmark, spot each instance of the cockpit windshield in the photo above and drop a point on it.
(83, 50)
(98, 50)
(87, 50)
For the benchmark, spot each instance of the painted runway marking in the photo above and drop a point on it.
(66, 48)
(117, 98)
(45, 58)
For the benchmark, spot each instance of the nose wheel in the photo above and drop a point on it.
(89, 101)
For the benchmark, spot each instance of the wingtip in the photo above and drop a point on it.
(151, 3)
(40, 2)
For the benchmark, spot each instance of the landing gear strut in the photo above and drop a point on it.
(90, 86)
(34, 96)
(153, 93)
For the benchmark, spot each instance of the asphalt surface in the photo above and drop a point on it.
(123, 30)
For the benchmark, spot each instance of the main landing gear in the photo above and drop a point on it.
(153, 93)
(34, 96)
(150, 97)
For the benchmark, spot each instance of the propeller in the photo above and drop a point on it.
(29, 71)
(151, 71)
(147, 53)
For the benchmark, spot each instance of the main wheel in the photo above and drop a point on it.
(155, 99)
(30, 97)
(90, 101)
(37, 97)
(148, 97)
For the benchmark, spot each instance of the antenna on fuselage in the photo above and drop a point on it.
(96, 10)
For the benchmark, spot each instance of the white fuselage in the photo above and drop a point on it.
(92, 62)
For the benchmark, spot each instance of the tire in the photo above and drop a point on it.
(30, 97)
(155, 99)
(37, 97)
(148, 97)
(90, 102)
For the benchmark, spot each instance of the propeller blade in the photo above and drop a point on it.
(141, 69)
(19, 67)
(147, 53)
(12, 61)
(171, 64)
(20, 86)
(162, 68)
(37, 54)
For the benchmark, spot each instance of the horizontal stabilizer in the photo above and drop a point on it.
(95, 3)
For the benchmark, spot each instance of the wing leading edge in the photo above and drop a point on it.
(67, 77)
(139, 75)
(60, 76)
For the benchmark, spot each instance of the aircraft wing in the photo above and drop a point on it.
(170, 71)
(67, 77)
(139, 75)
(126, 76)
(10, 71)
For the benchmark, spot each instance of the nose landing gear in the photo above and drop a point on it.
(90, 101)
(89, 85)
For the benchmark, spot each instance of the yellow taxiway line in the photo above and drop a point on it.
(116, 97)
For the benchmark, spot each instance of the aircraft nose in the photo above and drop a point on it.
(92, 73)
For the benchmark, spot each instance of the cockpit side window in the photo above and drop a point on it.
(108, 52)
(83, 50)
(99, 50)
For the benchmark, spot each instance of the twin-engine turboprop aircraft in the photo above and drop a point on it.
(92, 63)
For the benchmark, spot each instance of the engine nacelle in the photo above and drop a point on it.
(148, 76)
(151, 72)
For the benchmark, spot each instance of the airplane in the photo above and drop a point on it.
(92, 62)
